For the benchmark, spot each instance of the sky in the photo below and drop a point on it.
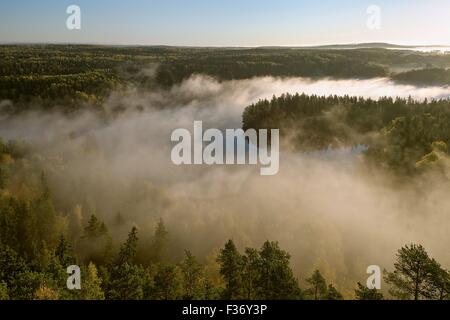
(226, 22)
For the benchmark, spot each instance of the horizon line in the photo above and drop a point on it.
(305, 46)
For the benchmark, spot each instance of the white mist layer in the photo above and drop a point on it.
(326, 213)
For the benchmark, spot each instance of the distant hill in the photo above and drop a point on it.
(370, 45)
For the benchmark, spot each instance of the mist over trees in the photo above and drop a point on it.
(35, 251)
(60, 205)
(403, 135)
(83, 75)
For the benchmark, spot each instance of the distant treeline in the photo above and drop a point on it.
(425, 77)
(65, 75)
(401, 134)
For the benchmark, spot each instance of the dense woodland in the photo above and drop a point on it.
(402, 135)
(41, 234)
(427, 76)
(65, 75)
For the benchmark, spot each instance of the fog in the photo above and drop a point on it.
(335, 215)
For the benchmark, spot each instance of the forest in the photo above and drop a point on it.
(402, 135)
(84, 178)
(37, 243)
(81, 74)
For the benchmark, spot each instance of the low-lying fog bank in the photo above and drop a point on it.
(328, 215)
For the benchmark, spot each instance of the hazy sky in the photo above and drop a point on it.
(226, 22)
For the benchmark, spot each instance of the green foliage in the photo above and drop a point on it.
(364, 293)
(94, 229)
(319, 289)
(38, 243)
(263, 274)
(63, 252)
(406, 140)
(168, 283)
(417, 276)
(397, 133)
(91, 284)
(26, 284)
(96, 243)
(318, 286)
(3, 291)
(428, 76)
(192, 277)
(129, 248)
(276, 277)
(250, 273)
(126, 282)
(11, 265)
(159, 244)
(438, 283)
(333, 294)
(230, 268)
(85, 75)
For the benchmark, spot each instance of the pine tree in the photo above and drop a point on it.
(168, 283)
(318, 289)
(209, 291)
(364, 293)
(26, 284)
(128, 250)
(159, 244)
(46, 222)
(277, 281)
(126, 282)
(192, 275)
(11, 265)
(251, 273)
(213, 282)
(91, 284)
(96, 244)
(333, 293)
(24, 233)
(63, 252)
(75, 224)
(231, 270)
(413, 268)
(8, 225)
(94, 229)
(438, 282)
